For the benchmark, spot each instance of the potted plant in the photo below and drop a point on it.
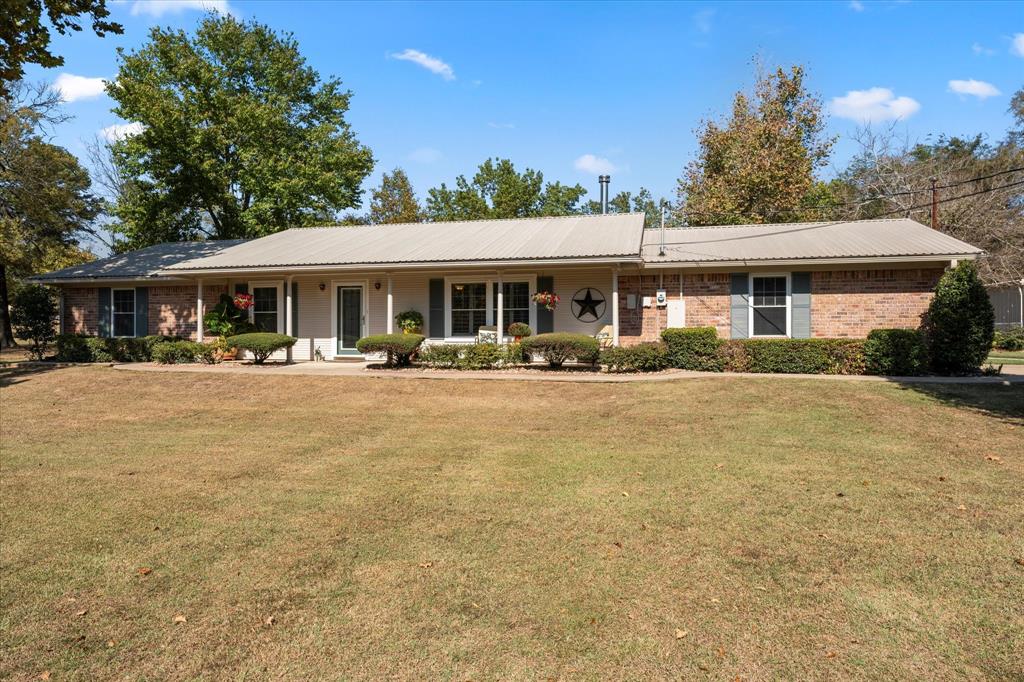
(229, 317)
(547, 299)
(519, 330)
(410, 321)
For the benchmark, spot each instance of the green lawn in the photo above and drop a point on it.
(319, 527)
(1006, 357)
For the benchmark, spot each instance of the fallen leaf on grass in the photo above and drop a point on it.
(270, 620)
(45, 675)
(145, 570)
(625, 494)
(426, 564)
(1020, 561)
(180, 619)
(942, 478)
(994, 458)
(840, 494)
(110, 644)
(962, 507)
(719, 466)
(715, 601)
(681, 633)
(831, 654)
(82, 612)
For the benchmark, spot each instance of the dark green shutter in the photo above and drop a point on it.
(739, 307)
(141, 311)
(800, 314)
(241, 288)
(545, 317)
(103, 312)
(436, 309)
(295, 309)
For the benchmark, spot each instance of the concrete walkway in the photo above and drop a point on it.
(1012, 374)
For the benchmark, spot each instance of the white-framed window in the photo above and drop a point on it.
(122, 312)
(472, 302)
(267, 311)
(770, 305)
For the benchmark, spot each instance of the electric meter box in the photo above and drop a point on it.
(661, 298)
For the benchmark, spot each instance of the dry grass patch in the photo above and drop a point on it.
(311, 527)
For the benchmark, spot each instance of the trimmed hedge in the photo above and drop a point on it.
(1009, 340)
(479, 356)
(440, 355)
(83, 348)
(794, 356)
(261, 344)
(895, 352)
(179, 352)
(470, 356)
(399, 348)
(558, 347)
(645, 357)
(694, 348)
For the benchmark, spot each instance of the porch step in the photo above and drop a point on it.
(348, 358)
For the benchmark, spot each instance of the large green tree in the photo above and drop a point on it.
(498, 190)
(25, 38)
(394, 200)
(237, 136)
(46, 203)
(758, 165)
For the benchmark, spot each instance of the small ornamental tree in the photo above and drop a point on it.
(34, 318)
(959, 325)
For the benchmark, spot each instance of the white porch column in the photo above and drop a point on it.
(501, 310)
(615, 307)
(391, 307)
(288, 314)
(199, 310)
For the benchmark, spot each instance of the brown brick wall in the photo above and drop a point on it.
(172, 309)
(850, 303)
(844, 303)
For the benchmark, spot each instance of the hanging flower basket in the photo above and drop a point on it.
(546, 299)
(242, 301)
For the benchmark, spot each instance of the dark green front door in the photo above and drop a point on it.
(350, 318)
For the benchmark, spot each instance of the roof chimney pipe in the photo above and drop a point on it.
(604, 180)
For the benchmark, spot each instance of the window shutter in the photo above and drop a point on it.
(545, 317)
(436, 322)
(740, 303)
(103, 311)
(800, 314)
(241, 288)
(295, 309)
(141, 311)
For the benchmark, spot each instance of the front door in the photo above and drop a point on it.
(350, 318)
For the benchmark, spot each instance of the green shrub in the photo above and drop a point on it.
(409, 321)
(83, 348)
(34, 318)
(559, 347)
(959, 323)
(694, 348)
(895, 352)
(643, 357)
(440, 355)
(512, 354)
(399, 348)
(227, 319)
(179, 352)
(520, 329)
(1012, 339)
(479, 356)
(261, 344)
(794, 356)
(74, 348)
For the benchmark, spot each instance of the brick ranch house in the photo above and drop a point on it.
(330, 286)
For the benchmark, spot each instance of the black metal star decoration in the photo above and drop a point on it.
(588, 306)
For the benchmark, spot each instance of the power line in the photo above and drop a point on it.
(957, 198)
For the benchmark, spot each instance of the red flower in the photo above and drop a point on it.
(243, 301)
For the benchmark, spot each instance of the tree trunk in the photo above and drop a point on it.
(6, 333)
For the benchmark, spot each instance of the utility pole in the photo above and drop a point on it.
(935, 206)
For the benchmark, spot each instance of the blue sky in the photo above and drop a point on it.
(576, 89)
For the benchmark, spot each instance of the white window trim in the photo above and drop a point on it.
(750, 305)
(490, 281)
(363, 331)
(279, 286)
(135, 310)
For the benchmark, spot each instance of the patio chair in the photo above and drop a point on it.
(605, 337)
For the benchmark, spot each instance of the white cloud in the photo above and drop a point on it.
(425, 155)
(702, 20)
(595, 165)
(506, 126)
(432, 64)
(874, 104)
(158, 8)
(119, 131)
(1017, 46)
(856, 5)
(979, 89)
(73, 88)
(977, 48)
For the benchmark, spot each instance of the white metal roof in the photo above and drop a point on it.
(140, 264)
(591, 238)
(861, 239)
